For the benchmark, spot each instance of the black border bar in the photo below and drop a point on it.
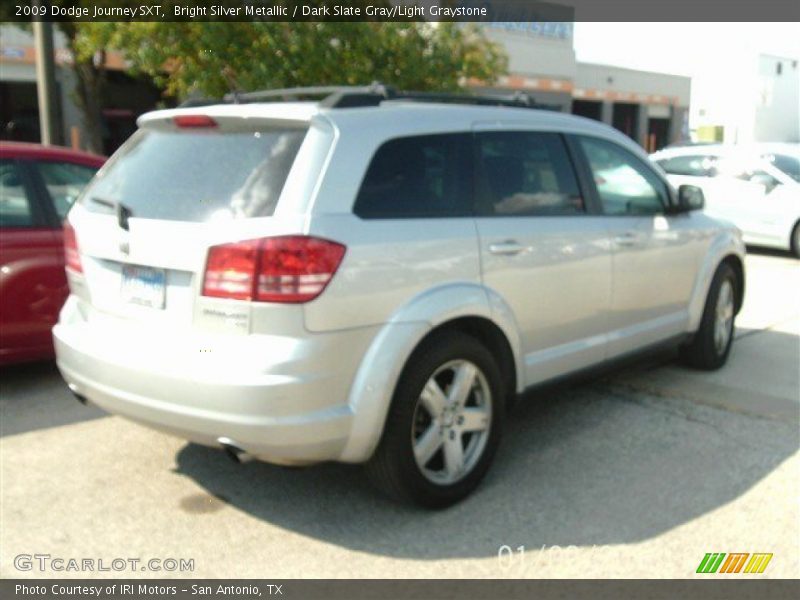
(404, 10)
(713, 588)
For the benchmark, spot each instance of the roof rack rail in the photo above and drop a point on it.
(372, 95)
(516, 99)
(334, 96)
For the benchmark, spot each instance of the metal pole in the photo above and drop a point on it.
(46, 81)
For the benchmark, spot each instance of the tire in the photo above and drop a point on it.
(427, 408)
(794, 242)
(711, 345)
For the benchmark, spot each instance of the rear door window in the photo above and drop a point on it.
(418, 177)
(197, 176)
(524, 173)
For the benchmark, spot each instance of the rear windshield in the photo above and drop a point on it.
(197, 176)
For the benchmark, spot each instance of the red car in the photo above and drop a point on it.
(38, 184)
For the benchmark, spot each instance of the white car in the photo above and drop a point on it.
(371, 278)
(755, 187)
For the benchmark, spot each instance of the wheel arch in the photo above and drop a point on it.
(737, 265)
(492, 337)
(468, 307)
(793, 247)
(727, 248)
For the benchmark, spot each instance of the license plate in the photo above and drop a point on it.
(144, 285)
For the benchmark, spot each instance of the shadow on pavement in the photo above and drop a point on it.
(34, 396)
(583, 464)
(773, 252)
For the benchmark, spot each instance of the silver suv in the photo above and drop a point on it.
(374, 277)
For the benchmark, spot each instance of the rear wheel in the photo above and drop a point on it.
(444, 423)
(711, 344)
(795, 241)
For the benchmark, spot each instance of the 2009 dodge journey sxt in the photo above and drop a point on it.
(371, 278)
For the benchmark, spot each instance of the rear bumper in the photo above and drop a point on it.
(258, 391)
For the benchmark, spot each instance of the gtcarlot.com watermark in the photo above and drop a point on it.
(46, 563)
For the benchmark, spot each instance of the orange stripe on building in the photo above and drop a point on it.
(543, 84)
(520, 82)
(63, 56)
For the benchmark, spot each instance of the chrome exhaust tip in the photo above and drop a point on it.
(234, 452)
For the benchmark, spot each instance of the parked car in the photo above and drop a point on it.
(372, 278)
(38, 184)
(755, 187)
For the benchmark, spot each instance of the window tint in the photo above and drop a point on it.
(787, 164)
(525, 174)
(625, 186)
(64, 182)
(423, 176)
(695, 166)
(15, 204)
(197, 176)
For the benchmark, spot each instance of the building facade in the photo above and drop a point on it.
(651, 108)
(760, 103)
(776, 108)
(125, 97)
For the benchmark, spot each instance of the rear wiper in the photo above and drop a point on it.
(123, 214)
(122, 211)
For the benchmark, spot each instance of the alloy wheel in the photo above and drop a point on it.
(451, 422)
(723, 322)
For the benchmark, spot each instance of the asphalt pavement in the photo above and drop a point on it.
(636, 473)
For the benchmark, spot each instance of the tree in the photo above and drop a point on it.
(209, 59)
(89, 49)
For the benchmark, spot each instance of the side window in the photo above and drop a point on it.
(418, 177)
(625, 186)
(788, 164)
(64, 182)
(16, 208)
(694, 166)
(525, 174)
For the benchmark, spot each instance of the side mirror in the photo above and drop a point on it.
(690, 197)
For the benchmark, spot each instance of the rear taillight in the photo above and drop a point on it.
(71, 256)
(288, 269)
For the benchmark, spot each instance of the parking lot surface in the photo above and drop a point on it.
(636, 473)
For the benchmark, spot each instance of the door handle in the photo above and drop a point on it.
(629, 238)
(507, 248)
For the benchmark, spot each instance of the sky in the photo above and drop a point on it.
(683, 48)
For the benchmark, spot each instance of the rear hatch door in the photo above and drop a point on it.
(181, 184)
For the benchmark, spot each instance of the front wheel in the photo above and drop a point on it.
(794, 245)
(444, 423)
(711, 345)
